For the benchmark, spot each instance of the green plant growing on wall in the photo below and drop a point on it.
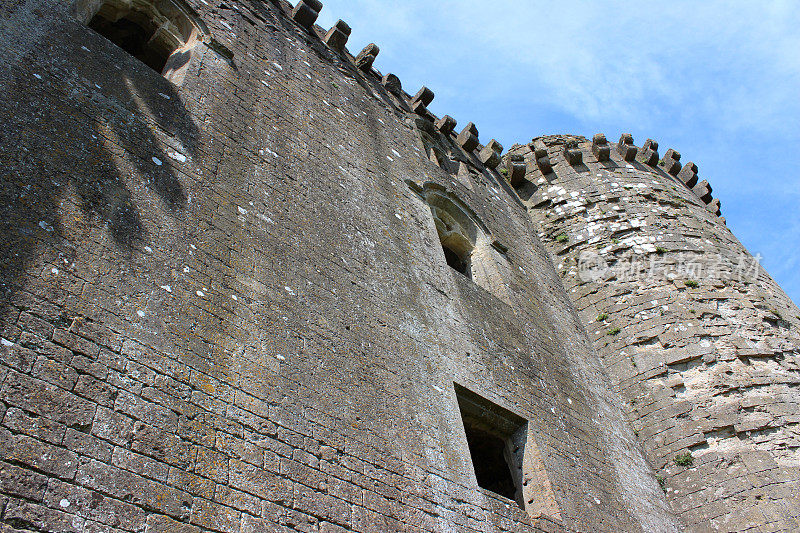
(613, 331)
(562, 238)
(691, 283)
(661, 250)
(684, 459)
(602, 316)
(662, 482)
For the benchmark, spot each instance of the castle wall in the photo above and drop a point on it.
(697, 338)
(225, 307)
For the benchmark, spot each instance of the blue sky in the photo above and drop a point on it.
(717, 81)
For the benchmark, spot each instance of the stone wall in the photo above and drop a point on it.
(225, 306)
(697, 338)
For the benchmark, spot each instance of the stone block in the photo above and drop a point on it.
(703, 191)
(40, 518)
(572, 153)
(688, 174)
(134, 489)
(393, 84)
(626, 148)
(91, 505)
(542, 157)
(715, 206)
(490, 154)
(18, 481)
(468, 138)
(305, 13)
(600, 147)
(47, 458)
(338, 35)
(366, 57)
(446, 124)
(18, 357)
(87, 445)
(47, 400)
(649, 153)
(211, 515)
(671, 162)
(516, 170)
(165, 524)
(424, 95)
(35, 426)
(420, 101)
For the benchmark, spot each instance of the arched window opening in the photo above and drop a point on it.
(467, 247)
(159, 33)
(456, 234)
(456, 262)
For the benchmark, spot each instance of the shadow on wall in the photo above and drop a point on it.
(79, 115)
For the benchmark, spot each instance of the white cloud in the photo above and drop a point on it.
(736, 61)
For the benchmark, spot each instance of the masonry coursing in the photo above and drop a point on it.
(697, 338)
(225, 307)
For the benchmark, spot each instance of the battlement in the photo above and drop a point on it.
(575, 149)
(249, 282)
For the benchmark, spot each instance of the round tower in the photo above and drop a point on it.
(697, 338)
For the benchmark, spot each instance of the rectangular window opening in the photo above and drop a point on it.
(496, 439)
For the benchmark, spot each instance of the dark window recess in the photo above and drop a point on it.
(455, 261)
(496, 439)
(134, 33)
(489, 461)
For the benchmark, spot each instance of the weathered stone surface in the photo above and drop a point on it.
(715, 206)
(516, 170)
(491, 153)
(468, 138)
(306, 12)
(541, 157)
(446, 124)
(674, 305)
(572, 154)
(626, 148)
(688, 174)
(338, 35)
(227, 304)
(366, 57)
(393, 84)
(600, 147)
(703, 191)
(649, 153)
(420, 101)
(671, 162)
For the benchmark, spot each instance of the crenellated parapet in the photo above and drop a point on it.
(575, 151)
(305, 14)
(168, 324)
